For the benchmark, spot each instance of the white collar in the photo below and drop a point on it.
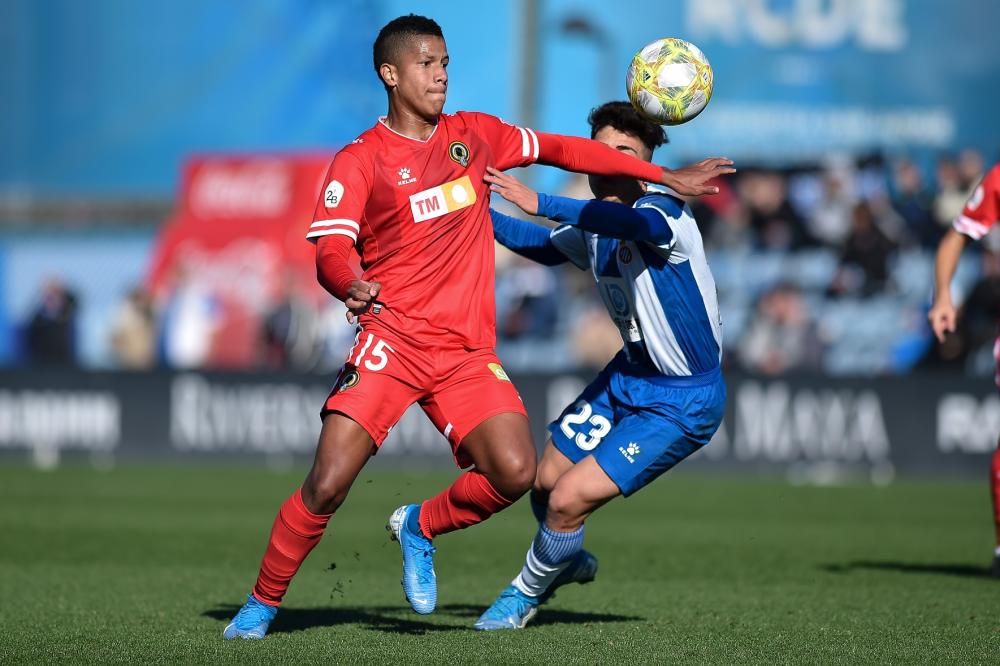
(382, 120)
(657, 188)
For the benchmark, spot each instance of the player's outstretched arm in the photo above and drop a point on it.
(942, 315)
(601, 217)
(531, 241)
(587, 156)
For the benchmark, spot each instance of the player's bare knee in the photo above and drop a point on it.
(514, 476)
(566, 510)
(323, 493)
(523, 476)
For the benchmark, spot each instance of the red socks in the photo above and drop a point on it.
(995, 491)
(469, 500)
(294, 534)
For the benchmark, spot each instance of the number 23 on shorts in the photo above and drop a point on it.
(584, 414)
(376, 354)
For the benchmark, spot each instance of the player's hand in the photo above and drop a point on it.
(693, 180)
(360, 296)
(512, 190)
(942, 318)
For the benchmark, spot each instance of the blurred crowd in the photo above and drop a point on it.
(190, 325)
(826, 268)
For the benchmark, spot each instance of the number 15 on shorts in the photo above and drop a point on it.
(594, 426)
(377, 357)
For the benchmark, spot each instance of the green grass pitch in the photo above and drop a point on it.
(146, 565)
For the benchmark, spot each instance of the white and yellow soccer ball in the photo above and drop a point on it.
(669, 81)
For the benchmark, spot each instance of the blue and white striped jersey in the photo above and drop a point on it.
(662, 297)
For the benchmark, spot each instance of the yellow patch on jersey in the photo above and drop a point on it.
(499, 371)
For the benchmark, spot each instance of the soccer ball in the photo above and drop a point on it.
(669, 81)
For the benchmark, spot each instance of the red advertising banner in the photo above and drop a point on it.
(233, 249)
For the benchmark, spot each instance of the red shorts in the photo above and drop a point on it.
(458, 389)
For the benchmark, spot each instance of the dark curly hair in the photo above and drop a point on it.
(396, 32)
(623, 117)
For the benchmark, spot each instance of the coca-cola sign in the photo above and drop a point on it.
(227, 189)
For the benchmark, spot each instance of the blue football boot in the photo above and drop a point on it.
(582, 569)
(252, 621)
(419, 580)
(513, 608)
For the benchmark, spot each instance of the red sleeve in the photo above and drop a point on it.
(342, 205)
(337, 221)
(333, 269)
(593, 157)
(512, 146)
(515, 146)
(982, 210)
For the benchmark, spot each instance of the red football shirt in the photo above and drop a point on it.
(418, 213)
(982, 210)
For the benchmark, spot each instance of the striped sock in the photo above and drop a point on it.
(550, 553)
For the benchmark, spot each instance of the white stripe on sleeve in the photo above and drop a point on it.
(337, 223)
(525, 148)
(534, 141)
(333, 232)
(971, 228)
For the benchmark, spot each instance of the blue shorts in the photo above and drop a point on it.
(639, 424)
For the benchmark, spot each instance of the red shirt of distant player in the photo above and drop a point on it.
(419, 211)
(982, 210)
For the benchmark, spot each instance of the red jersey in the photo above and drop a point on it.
(982, 210)
(418, 213)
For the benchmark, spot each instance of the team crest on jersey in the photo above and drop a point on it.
(349, 380)
(624, 254)
(498, 370)
(459, 152)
